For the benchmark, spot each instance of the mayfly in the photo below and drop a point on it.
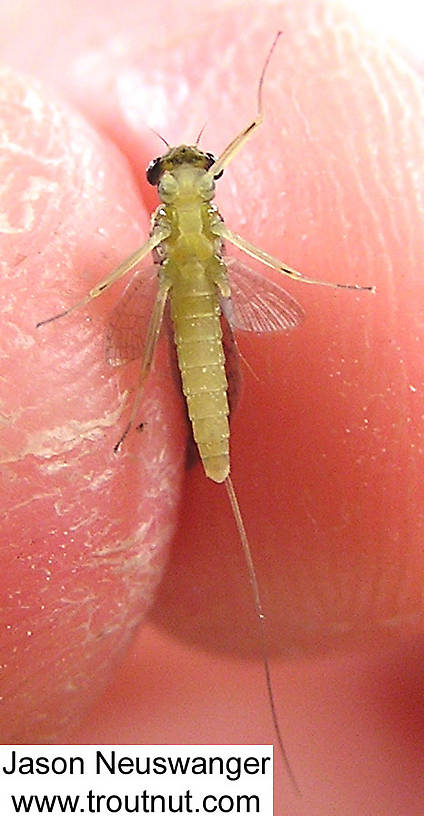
(187, 239)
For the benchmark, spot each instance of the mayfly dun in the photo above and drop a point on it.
(203, 286)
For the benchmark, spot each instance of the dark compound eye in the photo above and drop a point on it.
(153, 172)
(211, 160)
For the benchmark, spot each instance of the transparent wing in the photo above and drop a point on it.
(129, 320)
(258, 304)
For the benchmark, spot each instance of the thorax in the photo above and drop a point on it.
(190, 219)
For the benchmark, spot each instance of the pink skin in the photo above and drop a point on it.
(326, 444)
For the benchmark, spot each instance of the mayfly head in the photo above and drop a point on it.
(181, 171)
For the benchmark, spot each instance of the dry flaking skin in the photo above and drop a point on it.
(187, 240)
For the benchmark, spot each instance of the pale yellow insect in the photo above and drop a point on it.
(187, 237)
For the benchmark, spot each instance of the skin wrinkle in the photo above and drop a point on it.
(62, 439)
(34, 498)
(134, 567)
(408, 135)
(117, 548)
(377, 78)
(375, 81)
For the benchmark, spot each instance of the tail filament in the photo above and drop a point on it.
(260, 617)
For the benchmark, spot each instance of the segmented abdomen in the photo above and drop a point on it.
(196, 317)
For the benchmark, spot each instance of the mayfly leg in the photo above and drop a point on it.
(158, 235)
(260, 618)
(148, 354)
(269, 260)
(237, 240)
(233, 148)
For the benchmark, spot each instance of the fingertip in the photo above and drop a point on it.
(84, 533)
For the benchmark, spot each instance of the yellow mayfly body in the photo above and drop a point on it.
(187, 239)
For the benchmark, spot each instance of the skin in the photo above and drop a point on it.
(328, 471)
